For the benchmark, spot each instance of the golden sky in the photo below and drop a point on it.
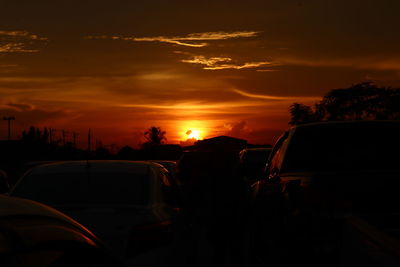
(212, 67)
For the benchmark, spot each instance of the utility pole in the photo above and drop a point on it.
(75, 136)
(64, 135)
(9, 119)
(89, 137)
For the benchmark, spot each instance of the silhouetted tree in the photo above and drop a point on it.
(363, 101)
(35, 135)
(154, 136)
(301, 114)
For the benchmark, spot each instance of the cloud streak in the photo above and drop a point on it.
(20, 107)
(221, 63)
(191, 40)
(16, 48)
(193, 106)
(361, 63)
(271, 97)
(18, 41)
(21, 35)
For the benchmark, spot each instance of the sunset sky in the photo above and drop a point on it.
(212, 67)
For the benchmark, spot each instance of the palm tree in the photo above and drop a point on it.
(154, 136)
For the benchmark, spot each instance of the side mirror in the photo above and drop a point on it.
(4, 185)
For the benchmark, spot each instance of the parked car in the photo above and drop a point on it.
(32, 234)
(174, 189)
(172, 168)
(253, 161)
(4, 183)
(123, 202)
(318, 175)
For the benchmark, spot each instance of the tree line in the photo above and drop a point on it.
(363, 101)
(154, 136)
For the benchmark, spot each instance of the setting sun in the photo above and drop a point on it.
(193, 134)
(193, 130)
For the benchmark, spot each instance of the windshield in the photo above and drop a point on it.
(85, 188)
(344, 147)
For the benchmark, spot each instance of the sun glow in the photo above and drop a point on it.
(189, 131)
(193, 134)
(193, 130)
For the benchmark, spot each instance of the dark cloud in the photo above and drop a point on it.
(20, 107)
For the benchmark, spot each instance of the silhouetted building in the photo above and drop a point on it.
(219, 143)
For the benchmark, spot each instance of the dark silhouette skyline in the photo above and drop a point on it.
(363, 101)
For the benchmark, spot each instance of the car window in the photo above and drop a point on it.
(165, 178)
(276, 156)
(345, 147)
(169, 190)
(91, 188)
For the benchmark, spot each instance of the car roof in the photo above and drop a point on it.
(96, 166)
(15, 206)
(163, 161)
(349, 122)
(258, 149)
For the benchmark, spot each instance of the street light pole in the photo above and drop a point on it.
(9, 119)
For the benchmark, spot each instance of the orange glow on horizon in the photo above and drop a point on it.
(193, 134)
(193, 130)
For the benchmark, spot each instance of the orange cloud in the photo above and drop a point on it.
(21, 34)
(219, 63)
(197, 107)
(182, 40)
(237, 129)
(247, 65)
(361, 63)
(212, 61)
(166, 40)
(16, 48)
(270, 97)
(18, 41)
